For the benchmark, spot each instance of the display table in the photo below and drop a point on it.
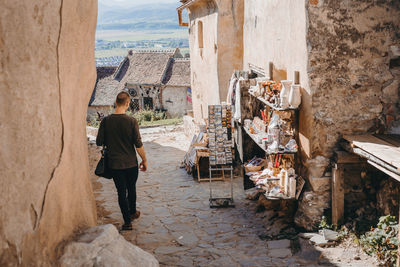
(204, 153)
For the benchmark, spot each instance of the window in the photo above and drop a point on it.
(135, 104)
(133, 92)
(200, 34)
(148, 102)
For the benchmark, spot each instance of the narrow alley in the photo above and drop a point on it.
(180, 229)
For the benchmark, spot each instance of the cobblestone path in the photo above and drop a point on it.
(177, 224)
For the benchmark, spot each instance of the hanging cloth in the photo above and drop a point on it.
(237, 116)
(231, 90)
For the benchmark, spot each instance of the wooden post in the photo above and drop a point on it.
(297, 77)
(337, 195)
(398, 249)
(271, 71)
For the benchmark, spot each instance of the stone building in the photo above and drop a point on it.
(347, 54)
(216, 41)
(150, 77)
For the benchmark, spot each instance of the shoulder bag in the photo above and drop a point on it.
(102, 168)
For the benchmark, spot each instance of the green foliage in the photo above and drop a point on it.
(94, 123)
(174, 121)
(324, 224)
(383, 240)
(145, 118)
(146, 115)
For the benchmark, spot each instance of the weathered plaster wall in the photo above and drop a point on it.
(174, 99)
(154, 92)
(352, 87)
(230, 42)
(212, 65)
(275, 31)
(203, 61)
(47, 73)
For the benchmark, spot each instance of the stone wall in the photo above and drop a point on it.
(47, 73)
(220, 54)
(353, 88)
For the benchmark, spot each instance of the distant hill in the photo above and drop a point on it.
(146, 17)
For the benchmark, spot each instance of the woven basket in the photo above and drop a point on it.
(253, 168)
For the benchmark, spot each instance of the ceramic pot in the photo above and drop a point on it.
(294, 96)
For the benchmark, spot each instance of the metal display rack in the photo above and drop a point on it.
(221, 151)
(221, 202)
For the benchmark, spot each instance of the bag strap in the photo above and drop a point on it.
(105, 136)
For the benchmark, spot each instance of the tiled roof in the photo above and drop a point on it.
(147, 68)
(178, 73)
(105, 92)
(102, 72)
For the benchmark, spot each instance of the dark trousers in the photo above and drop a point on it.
(125, 181)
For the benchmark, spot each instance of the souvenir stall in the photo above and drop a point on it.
(266, 133)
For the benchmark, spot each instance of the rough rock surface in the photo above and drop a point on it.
(47, 73)
(349, 53)
(311, 208)
(104, 246)
(387, 197)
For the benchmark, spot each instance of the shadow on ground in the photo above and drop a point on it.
(178, 226)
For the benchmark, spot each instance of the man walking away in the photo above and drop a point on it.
(120, 134)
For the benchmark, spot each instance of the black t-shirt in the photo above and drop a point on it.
(120, 133)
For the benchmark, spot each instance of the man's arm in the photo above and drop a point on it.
(139, 146)
(142, 154)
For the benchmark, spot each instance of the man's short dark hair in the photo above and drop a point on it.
(122, 98)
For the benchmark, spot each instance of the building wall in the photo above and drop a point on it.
(203, 61)
(174, 100)
(347, 53)
(153, 92)
(275, 31)
(342, 50)
(354, 90)
(47, 73)
(212, 65)
(92, 112)
(230, 42)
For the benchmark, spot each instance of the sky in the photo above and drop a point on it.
(136, 2)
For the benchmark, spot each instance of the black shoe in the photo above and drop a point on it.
(136, 215)
(126, 227)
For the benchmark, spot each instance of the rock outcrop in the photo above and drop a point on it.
(311, 208)
(104, 246)
(47, 74)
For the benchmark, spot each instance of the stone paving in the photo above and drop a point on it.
(177, 224)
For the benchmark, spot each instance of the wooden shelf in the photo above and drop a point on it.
(280, 198)
(275, 198)
(271, 105)
(252, 136)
